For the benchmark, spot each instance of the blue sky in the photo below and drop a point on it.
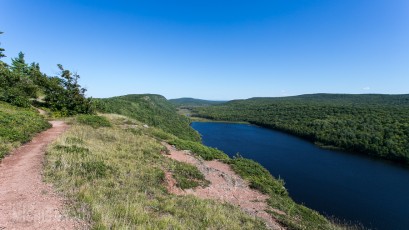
(216, 49)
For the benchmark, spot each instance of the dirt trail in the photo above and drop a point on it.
(225, 186)
(26, 202)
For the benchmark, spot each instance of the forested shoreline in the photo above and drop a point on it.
(377, 125)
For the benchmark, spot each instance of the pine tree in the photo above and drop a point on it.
(19, 65)
(1, 49)
(64, 94)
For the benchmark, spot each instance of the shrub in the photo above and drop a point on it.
(18, 125)
(93, 121)
(207, 153)
(188, 176)
(95, 169)
(259, 177)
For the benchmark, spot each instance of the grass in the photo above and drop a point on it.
(115, 178)
(17, 126)
(188, 176)
(259, 177)
(207, 153)
(93, 121)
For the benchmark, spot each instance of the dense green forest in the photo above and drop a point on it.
(192, 102)
(372, 124)
(151, 109)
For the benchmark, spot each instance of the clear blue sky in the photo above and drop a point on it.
(216, 49)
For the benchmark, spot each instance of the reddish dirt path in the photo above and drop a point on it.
(225, 185)
(26, 202)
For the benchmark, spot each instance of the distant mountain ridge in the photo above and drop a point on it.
(342, 99)
(378, 99)
(193, 102)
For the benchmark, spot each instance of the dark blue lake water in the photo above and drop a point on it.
(348, 186)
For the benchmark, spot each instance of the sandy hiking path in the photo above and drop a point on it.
(225, 185)
(26, 202)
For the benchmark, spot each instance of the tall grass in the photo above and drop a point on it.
(115, 177)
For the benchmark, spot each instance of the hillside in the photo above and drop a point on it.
(17, 126)
(192, 102)
(151, 109)
(375, 100)
(372, 124)
(115, 171)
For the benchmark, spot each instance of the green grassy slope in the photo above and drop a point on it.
(192, 102)
(114, 173)
(18, 125)
(370, 124)
(151, 109)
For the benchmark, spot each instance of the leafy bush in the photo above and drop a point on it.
(207, 153)
(73, 149)
(259, 177)
(15, 89)
(188, 176)
(95, 169)
(93, 120)
(158, 133)
(18, 125)
(65, 95)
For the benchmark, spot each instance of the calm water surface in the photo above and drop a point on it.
(351, 187)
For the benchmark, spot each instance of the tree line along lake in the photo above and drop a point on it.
(350, 187)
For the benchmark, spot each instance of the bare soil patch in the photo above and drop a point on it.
(225, 185)
(26, 202)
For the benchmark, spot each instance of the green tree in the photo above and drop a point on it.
(1, 49)
(16, 87)
(19, 65)
(12, 89)
(64, 94)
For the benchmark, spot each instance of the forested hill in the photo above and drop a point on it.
(336, 99)
(192, 102)
(370, 124)
(152, 109)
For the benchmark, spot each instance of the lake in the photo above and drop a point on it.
(348, 186)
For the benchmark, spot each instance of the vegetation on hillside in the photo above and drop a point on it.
(151, 109)
(23, 84)
(116, 176)
(18, 125)
(372, 124)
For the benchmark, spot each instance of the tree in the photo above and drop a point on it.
(1, 49)
(64, 94)
(19, 65)
(15, 85)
